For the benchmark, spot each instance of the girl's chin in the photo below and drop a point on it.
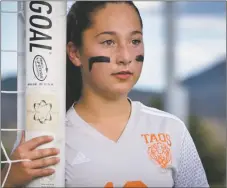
(121, 90)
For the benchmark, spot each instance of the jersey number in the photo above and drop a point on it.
(128, 184)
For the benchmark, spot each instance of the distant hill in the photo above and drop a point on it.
(207, 91)
(8, 103)
(212, 76)
(144, 96)
(9, 83)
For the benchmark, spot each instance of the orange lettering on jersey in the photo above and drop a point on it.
(135, 184)
(162, 137)
(168, 140)
(159, 149)
(145, 136)
(109, 185)
(153, 138)
(128, 184)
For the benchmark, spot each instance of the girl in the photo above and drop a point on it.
(111, 141)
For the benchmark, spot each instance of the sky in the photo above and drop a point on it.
(200, 35)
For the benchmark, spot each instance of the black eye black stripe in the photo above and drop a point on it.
(140, 58)
(98, 59)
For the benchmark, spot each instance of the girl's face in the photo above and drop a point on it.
(116, 33)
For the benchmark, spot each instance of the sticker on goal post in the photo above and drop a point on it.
(42, 113)
(43, 118)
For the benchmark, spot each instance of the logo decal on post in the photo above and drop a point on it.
(42, 112)
(40, 68)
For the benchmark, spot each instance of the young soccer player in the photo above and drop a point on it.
(111, 141)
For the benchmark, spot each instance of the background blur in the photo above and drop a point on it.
(184, 72)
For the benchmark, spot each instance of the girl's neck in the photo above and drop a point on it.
(99, 107)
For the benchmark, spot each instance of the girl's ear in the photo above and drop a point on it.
(73, 54)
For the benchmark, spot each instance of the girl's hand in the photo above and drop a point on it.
(22, 173)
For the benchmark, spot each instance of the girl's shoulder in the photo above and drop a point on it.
(151, 113)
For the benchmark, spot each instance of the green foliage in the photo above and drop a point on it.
(213, 155)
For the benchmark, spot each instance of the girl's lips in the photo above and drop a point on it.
(123, 75)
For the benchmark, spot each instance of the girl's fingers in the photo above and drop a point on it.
(36, 173)
(42, 163)
(35, 142)
(41, 153)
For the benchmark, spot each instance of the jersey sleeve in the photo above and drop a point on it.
(190, 171)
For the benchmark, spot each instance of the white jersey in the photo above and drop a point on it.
(155, 150)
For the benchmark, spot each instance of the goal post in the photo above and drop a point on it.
(45, 57)
(41, 80)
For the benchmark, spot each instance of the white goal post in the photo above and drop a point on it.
(41, 78)
(46, 79)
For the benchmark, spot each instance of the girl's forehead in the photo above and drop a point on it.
(116, 16)
(115, 11)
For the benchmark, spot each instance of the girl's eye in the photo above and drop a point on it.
(136, 42)
(108, 42)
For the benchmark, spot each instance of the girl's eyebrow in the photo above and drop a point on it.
(106, 33)
(136, 32)
(115, 33)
